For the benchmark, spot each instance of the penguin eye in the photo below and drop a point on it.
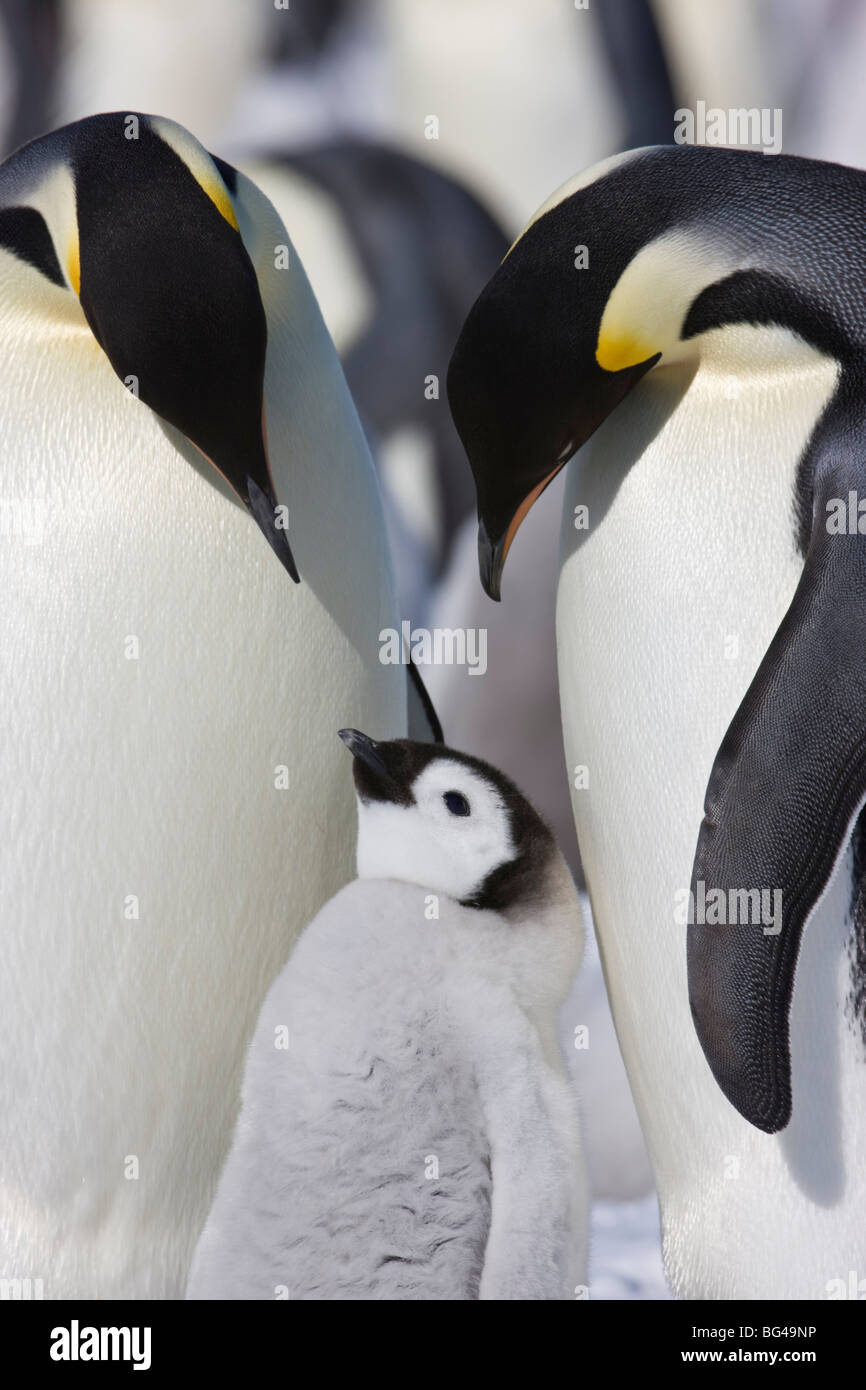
(566, 453)
(456, 803)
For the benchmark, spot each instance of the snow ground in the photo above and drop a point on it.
(625, 1259)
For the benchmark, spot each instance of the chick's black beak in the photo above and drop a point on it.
(366, 750)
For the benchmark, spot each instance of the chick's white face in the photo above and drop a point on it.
(453, 834)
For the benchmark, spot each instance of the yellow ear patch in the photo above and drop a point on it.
(73, 267)
(649, 303)
(618, 350)
(199, 163)
(216, 191)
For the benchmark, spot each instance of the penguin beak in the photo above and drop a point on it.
(263, 505)
(493, 554)
(258, 496)
(603, 394)
(262, 502)
(491, 561)
(525, 403)
(366, 750)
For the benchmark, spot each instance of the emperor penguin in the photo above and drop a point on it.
(696, 317)
(407, 1130)
(174, 809)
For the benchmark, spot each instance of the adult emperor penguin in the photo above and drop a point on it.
(407, 1130)
(712, 663)
(175, 810)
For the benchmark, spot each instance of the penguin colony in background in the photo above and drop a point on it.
(407, 1130)
(177, 807)
(698, 316)
(396, 253)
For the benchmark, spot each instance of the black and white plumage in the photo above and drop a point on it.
(710, 645)
(416, 1137)
(168, 694)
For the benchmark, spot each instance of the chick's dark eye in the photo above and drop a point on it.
(456, 803)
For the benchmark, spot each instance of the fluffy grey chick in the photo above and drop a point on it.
(407, 1130)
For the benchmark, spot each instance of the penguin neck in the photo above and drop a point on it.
(545, 947)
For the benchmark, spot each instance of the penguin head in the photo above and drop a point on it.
(448, 822)
(132, 217)
(525, 384)
(629, 267)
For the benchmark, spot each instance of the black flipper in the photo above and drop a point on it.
(783, 794)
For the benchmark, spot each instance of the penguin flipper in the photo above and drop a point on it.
(785, 789)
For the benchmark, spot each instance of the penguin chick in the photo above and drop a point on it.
(406, 1128)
